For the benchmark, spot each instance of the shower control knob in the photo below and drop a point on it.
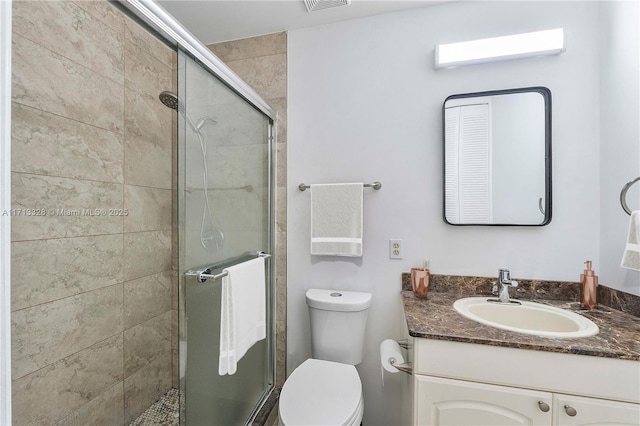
(544, 407)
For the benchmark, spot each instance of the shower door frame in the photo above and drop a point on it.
(172, 32)
(175, 34)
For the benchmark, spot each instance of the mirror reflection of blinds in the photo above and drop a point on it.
(468, 135)
(451, 130)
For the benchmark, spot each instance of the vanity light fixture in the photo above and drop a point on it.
(539, 43)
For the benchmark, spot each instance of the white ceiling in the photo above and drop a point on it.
(222, 20)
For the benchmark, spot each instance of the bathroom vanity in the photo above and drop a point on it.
(467, 373)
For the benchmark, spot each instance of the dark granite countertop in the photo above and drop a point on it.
(435, 318)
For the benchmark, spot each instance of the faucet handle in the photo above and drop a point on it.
(505, 278)
(504, 282)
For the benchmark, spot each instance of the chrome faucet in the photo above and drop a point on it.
(505, 281)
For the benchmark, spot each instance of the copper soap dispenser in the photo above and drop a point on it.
(588, 288)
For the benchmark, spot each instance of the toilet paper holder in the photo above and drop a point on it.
(404, 367)
(403, 343)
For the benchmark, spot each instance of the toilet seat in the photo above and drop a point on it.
(321, 392)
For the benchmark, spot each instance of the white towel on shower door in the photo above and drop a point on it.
(631, 255)
(242, 312)
(336, 219)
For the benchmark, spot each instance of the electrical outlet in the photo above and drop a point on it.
(395, 249)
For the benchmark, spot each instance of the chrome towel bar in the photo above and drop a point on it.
(623, 195)
(247, 188)
(375, 185)
(204, 274)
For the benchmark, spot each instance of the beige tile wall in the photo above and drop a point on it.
(262, 63)
(91, 295)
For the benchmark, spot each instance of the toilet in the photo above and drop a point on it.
(326, 389)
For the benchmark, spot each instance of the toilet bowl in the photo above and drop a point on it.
(326, 389)
(323, 393)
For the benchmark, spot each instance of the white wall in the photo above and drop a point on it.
(620, 136)
(5, 205)
(365, 104)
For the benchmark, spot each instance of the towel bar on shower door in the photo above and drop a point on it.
(375, 185)
(203, 274)
(623, 195)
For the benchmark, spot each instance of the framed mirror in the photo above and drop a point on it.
(497, 157)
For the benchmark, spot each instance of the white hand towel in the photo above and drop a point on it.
(631, 255)
(242, 312)
(336, 219)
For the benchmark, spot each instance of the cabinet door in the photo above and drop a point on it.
(576, 410)
(446, 402)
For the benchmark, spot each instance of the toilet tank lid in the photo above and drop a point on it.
(338, 300)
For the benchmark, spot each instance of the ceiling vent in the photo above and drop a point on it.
(315, 5)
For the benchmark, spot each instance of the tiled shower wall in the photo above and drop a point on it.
(262, 63)
(91, 291)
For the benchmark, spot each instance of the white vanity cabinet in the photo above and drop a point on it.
(448, 402)
(470, 384)
(456, 402)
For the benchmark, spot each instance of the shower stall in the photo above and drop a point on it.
(223, 217)
(147, 160)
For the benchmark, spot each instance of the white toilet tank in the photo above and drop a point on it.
(338, 321)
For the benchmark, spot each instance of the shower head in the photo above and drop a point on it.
(171, 100)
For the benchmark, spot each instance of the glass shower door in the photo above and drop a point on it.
(223, 215)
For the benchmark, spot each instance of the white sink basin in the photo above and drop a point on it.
(527, 317)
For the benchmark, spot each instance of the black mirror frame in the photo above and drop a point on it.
(546, 94)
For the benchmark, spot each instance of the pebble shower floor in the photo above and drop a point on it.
(163, 412)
